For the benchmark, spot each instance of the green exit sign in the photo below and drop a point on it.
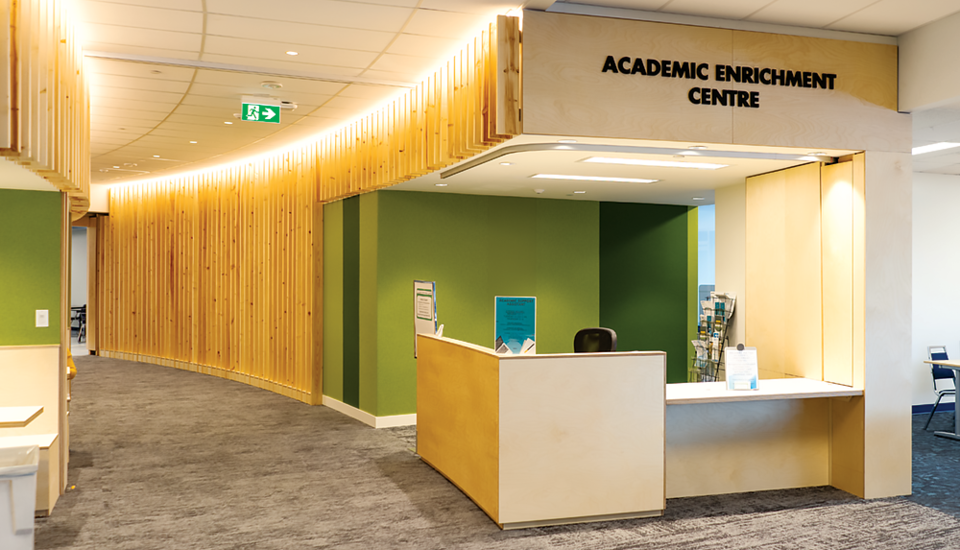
(256, 112)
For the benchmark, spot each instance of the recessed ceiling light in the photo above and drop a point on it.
(271, 85)
(506, 164)
(227, 122)
(116, 167)
(590, 178)
(193, 142)
(566, 141)
(686, 153)
(156, 156)
(659, 163)
(934, 147)
(539, 191)
(697, 147)
(698, 198)
(579, 192)
(293, 53)
(440, 184)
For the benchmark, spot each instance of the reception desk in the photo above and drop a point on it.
(544, 439)
(564, 438)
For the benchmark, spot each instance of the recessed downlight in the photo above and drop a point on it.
(698, 198)
(658, 163)
(193, 142)
(590, 178)
(697, 147)
(506, 164)
(579, 192)
(271, 85)
(227, 122)
(441, 184)
(291, 52)
(156, 156)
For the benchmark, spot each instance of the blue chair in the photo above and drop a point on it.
(939, 353)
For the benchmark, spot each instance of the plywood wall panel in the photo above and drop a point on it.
(783, 318)
(838, 199)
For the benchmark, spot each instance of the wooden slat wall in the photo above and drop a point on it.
(44, 104)
(463, 109)
(221, 272)
(214, 273)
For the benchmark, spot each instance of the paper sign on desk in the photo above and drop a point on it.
(741, 366)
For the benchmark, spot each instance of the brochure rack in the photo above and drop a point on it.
(712, 337)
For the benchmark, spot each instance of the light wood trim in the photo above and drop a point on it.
(44, 102)
(458, 418)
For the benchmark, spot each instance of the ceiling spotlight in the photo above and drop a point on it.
(116, 167)
(566, 141)
(227, 122)
(698, 198)
(579, 192)
(440, 184)
(293, 53)
(193, 142)
(539, 191)
(697, 147)
(271, 85)
(156, 156)
(506, 164)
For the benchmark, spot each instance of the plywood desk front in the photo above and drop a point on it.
(544, 439)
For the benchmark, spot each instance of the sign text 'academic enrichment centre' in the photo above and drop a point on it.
(721, 73)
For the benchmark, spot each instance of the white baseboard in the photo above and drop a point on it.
(369, 419)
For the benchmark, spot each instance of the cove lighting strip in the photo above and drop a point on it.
(934, 147)
(659, 163)
(590, 178)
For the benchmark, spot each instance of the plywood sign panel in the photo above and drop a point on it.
(605, 77)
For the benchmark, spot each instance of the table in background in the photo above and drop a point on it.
(955, 367)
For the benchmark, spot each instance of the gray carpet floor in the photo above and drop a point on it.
(162, 458)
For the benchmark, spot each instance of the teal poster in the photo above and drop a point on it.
(516, 324)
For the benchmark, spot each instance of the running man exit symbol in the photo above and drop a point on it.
(255, 112)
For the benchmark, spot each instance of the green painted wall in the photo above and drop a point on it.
(29, 266)
(631, 267)
(476, 248)
(645, 274)
(333, 300)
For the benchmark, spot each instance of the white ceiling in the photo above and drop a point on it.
(158, 80)
(674, 186)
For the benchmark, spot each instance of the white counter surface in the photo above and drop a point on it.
(781, 388)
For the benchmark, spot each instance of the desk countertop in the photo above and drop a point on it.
(781, 388)
(18, 417)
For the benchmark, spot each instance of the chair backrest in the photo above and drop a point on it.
(592, 340)
(939, 353)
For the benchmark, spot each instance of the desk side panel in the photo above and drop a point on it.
(457, 417)
(719, 448)
(581, 437)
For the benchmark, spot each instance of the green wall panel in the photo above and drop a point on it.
(333, 300)
(369, 368)
(644, 279)
(29, 266)
(351, 301)
(477, 248)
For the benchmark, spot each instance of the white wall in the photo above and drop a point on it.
(731, 243)
(936, 287)
(928, 77)
(78, 268)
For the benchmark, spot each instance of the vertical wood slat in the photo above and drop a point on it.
(44, 103)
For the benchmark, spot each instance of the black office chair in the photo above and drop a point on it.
(592, 340)
(939, 353)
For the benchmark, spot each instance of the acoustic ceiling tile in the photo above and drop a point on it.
(318, 12)
(139, 83)
(446, 24)
(416, 45)
(125, 15)
(298, 34)
(188, 5)
(895, 17)
(126, 49)
(807, 13)
(158, 107)
(728, 9)
(139, 95)
(277, 51)
(141, 38)
(95, 66)
(265, 65)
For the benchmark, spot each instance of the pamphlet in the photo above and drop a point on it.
(741, 365)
